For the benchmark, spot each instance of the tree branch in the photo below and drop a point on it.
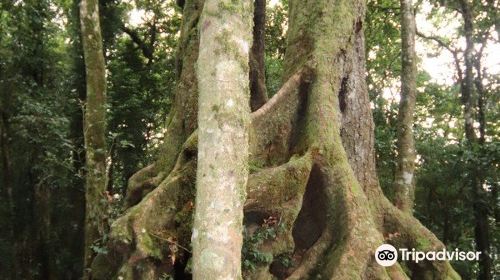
(438, 40)
(453, 52)
(146, 49)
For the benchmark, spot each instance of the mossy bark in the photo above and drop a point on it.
(94, 129)
(404, 182)
(312, 172)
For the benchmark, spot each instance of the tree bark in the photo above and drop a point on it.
(94, 129)
(258, 91)
(404, 184)
(223, 119)
(468, 80)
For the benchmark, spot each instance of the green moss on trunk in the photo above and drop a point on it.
(94, 129)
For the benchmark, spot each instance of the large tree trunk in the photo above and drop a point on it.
(223, 119)
(94, 129)
(312, 164)
(404, 184)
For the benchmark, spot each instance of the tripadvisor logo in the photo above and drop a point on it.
(387, 255)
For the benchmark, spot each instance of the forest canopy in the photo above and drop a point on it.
(308, 132)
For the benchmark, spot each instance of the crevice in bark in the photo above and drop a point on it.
(276, 126)
(342, 94)
(310, 222)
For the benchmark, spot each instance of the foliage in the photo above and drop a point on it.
(276, 26)
(40, 103)
(383, 64)
(252, 255)
(140, 89)
(35, 107)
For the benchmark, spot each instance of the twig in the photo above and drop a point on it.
(171, 242)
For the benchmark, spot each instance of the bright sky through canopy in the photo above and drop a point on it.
(439, 65)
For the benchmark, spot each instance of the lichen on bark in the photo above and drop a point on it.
(404, 182)
(223, 120)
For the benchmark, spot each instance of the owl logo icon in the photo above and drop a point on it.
(386, 255)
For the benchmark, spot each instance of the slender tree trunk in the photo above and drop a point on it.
(258, 91)
(481, 98)
(6, 193)
(404, 184)
(76, 193)
(223, 120)
(468, 80)
(481, 213)
(493, 6)
(111, 164)
(6, 190)
(94, 128)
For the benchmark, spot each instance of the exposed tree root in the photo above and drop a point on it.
(408, 232)
(348, 216)
(276, 193)
(141, 183)
(312, 257)
(285, 92)
(274, 125)
(277, 117)
(152, 236)
(394, 272)
(327, 223)
(270, 188)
